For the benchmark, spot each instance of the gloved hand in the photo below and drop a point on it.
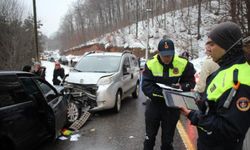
(177, 86)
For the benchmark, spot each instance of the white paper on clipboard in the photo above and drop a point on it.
(163, 86)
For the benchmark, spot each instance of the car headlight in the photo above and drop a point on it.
(104, 80)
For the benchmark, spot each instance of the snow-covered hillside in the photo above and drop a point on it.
(181, 27)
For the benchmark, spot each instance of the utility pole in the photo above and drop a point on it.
(35, 30)
(147, 48)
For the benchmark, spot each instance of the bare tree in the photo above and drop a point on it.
(199, 19)
(16, 38)
(233, 10)
(248, 16)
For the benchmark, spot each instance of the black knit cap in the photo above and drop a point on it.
(226, 35)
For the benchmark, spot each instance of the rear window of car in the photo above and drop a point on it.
(11, 91)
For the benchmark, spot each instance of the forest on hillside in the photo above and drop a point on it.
(89, 19)
(16, 36)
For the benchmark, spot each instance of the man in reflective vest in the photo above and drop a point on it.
(225, 118)
(171, 70)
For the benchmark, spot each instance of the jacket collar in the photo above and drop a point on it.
(170, 65)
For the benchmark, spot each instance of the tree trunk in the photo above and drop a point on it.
(199, 19)
(137, 19)
(248, 16)
(233, 10)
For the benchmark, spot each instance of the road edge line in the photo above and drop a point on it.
(185, 139)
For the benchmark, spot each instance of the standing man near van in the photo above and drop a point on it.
(225, 118)
(171, 70)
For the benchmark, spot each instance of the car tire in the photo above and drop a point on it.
(74, 112)
(118, 99)
(135, 94)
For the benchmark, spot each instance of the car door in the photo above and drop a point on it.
(135, 70)
(18, 113)
(56, 102)
(126, 72)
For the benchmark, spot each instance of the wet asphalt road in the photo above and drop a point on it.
(109, 131)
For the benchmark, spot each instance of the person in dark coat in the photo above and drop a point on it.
(223, 121)
(58, 74)
(27, 68)
(39, 70)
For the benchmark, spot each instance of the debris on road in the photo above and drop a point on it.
(74, 137)
(62, 138)
(131, 137)
(92, 130)
(80, 122)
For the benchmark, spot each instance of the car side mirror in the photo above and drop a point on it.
(126, 70)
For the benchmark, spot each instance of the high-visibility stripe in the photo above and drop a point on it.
(156, 95)
(186, 140)
(223, 81)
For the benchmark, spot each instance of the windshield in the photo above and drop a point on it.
(99, 64)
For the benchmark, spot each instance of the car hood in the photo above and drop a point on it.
(85, 77)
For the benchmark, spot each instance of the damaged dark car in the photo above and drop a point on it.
(31, 110)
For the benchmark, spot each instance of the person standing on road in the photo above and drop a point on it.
(58, 74)
(27, 68)
(169, 69)
(225, 118)
(39, 70)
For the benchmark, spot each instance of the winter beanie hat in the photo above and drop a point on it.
(227, 35)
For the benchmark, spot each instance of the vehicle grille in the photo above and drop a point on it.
(85, 93)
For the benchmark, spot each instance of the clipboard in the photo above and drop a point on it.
(176, 99)
(163, 86)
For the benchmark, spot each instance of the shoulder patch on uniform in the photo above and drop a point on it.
(243, 104)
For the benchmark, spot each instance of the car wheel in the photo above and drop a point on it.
(118, 100)
(135, 94)
(74, 112)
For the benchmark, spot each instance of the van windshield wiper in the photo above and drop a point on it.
(77, 70)
(102, 71)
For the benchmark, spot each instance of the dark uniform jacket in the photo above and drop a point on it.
(178, 71)
(40, 72)
(58, 73)
(220, 127)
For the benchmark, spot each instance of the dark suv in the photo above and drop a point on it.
(31, 110)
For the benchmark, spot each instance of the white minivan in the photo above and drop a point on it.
(106, 78)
